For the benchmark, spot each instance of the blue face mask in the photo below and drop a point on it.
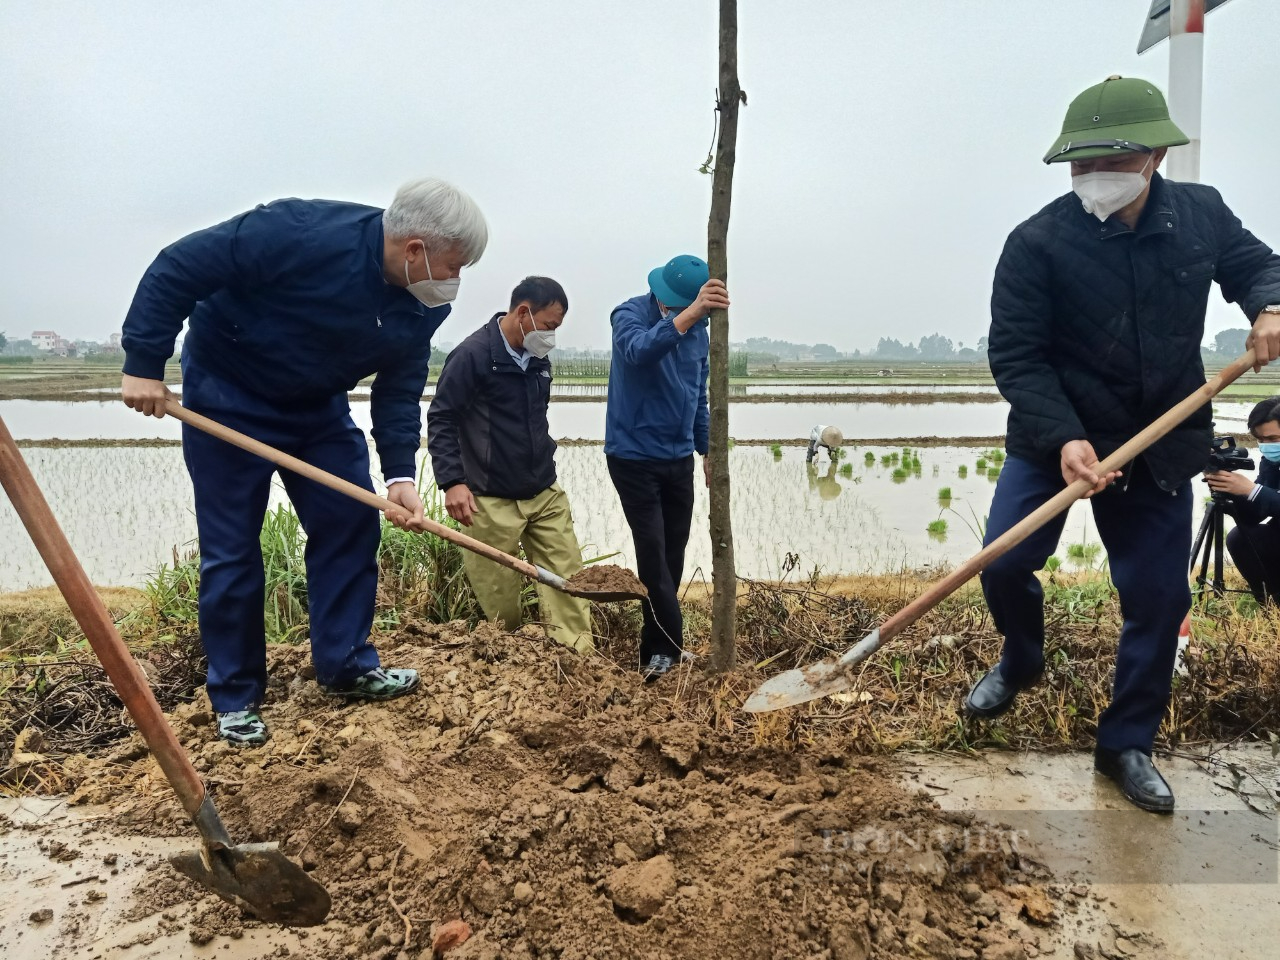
(1271, 451)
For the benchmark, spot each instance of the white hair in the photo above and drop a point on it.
(430, 209)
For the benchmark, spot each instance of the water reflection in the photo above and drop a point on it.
(825, 485)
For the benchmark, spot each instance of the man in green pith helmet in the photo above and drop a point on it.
(1097, 314)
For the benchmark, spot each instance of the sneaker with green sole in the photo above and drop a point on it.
(242, 727)
(377, 684)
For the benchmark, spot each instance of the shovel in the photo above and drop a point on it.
(355, 492)
(836, 674)
(255, 876)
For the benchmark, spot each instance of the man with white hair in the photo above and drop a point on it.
(289, 306)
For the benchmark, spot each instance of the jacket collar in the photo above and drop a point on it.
(499, 355)
(1158, 217)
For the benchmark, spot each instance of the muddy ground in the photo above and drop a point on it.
(559, 808)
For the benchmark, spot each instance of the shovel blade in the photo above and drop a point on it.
(260, 879)
(820, 679)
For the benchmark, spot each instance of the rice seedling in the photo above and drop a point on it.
(900, 475)
(1053, 565)
(944, 496)
(963, 471)
(776, 450)
(937, 529)
(870, 459)
(846, 469)
(981, 465)
(886, 460)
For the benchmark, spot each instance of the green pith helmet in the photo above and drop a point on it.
(1121, 113)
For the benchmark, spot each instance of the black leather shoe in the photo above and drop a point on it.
(993, 695)
(1137, 776)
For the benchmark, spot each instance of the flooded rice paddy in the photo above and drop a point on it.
(126, 509)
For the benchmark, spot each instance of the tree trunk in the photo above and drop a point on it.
(724, 579)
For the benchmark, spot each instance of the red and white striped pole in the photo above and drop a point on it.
(1186, 86)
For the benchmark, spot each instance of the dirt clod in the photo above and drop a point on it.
(639, 890)
(43, 915)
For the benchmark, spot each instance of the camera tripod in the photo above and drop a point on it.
(1209, 547)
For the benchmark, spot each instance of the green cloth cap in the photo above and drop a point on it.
(1121, 113)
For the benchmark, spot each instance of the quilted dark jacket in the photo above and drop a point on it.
(1096, 328)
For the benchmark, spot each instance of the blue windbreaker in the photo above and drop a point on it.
(657, 385)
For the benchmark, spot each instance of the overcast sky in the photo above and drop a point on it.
(887, 150)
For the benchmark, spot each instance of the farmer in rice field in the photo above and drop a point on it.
(1097, 315)
(493, 456)
(656, 418)
(290, 305)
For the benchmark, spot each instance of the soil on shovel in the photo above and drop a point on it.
(607, 578)
(558, 807)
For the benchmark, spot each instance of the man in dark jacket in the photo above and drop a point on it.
(290, 305)
(1097, 315)
(493, 456)
(656, 418)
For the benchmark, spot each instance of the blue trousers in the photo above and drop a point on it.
(231, 492)
(1147, 534)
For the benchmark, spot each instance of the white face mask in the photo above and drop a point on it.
(539, 342)
(432, 293)
(1103, 192)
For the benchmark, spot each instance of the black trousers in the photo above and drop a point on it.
(1255, 550)
(657, 499)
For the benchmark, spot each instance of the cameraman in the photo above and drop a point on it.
(1254, 544)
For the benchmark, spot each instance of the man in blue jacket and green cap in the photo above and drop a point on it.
(289, 306)
(657, 417)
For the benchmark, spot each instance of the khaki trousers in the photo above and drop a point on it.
(543, 525)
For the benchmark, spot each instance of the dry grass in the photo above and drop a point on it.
(32, 621)
(909, 694)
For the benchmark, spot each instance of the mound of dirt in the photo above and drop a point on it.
(608, 578)
(561, 808)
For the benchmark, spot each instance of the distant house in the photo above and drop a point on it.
(46, 340)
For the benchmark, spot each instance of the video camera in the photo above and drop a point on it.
(1225, 455)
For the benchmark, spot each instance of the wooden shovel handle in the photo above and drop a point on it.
(354, 491)
(91, 613)
(1042, 515)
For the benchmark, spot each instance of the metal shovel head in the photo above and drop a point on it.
(820, 679)
(260, 879)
